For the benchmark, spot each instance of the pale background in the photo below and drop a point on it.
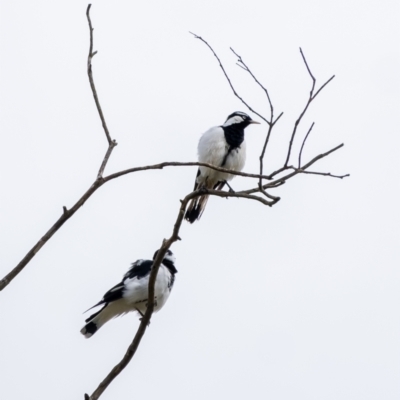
(300, 301)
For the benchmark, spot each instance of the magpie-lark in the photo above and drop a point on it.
(132, 293)
(222, 146)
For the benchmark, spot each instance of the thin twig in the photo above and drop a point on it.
(271, 122)
(243, 65)
(183, 164)
(90, 75)
(105, 159)
(309, 71)
(228, 79)
(311, 97)
(304, 142)
(320, 173)
(296, 171)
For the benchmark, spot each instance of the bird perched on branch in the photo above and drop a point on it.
(223, 146)
(132, 293)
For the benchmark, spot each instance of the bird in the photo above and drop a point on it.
(131, 294)
(222, 146)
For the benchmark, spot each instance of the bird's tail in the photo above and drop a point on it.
(196, 208)
(98, 319)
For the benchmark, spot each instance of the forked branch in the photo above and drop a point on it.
(311, 97)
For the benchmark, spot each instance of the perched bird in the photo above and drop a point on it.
(222, 146)
(132, 293)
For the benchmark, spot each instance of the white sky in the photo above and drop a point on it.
(300, 301)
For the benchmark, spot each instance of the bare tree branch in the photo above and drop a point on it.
(183, 164)
(227, 78)
(279, 181)
(111, 143)
(271, 122)
(309, 101)
(304, 142)
(243, 65)
(321, 173)
(90, 75)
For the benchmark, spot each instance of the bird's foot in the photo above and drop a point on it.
(203, 190)
(230, 188)
(142, 316)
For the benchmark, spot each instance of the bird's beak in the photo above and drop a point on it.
(254, 122)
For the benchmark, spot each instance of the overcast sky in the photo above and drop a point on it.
(299, 301)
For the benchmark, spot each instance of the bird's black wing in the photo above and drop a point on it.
(139, 269)
(115, 293)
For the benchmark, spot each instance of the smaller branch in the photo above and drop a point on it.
(266, 144)
(220, 193)
(309, 71)
(90, 75)
(304, 141)
(274, 199)
(242, 64)
(228, 79)
(182, 164)
(105, 159)
(261, 158)
(304, 167)
(311, 97)
(278, 171)
(300, 170)
(296, 171)
(270, 123)
(316, 94)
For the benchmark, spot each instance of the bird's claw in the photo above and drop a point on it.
(230, 188)
(203, 190)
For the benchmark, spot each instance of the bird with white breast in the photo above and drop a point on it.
(132, 293)
(222, 146)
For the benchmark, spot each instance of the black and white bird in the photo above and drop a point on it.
(132, 293)
(222, 146)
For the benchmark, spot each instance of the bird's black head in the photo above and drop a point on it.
(239, 118)
(169, 256)
(168, 261)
